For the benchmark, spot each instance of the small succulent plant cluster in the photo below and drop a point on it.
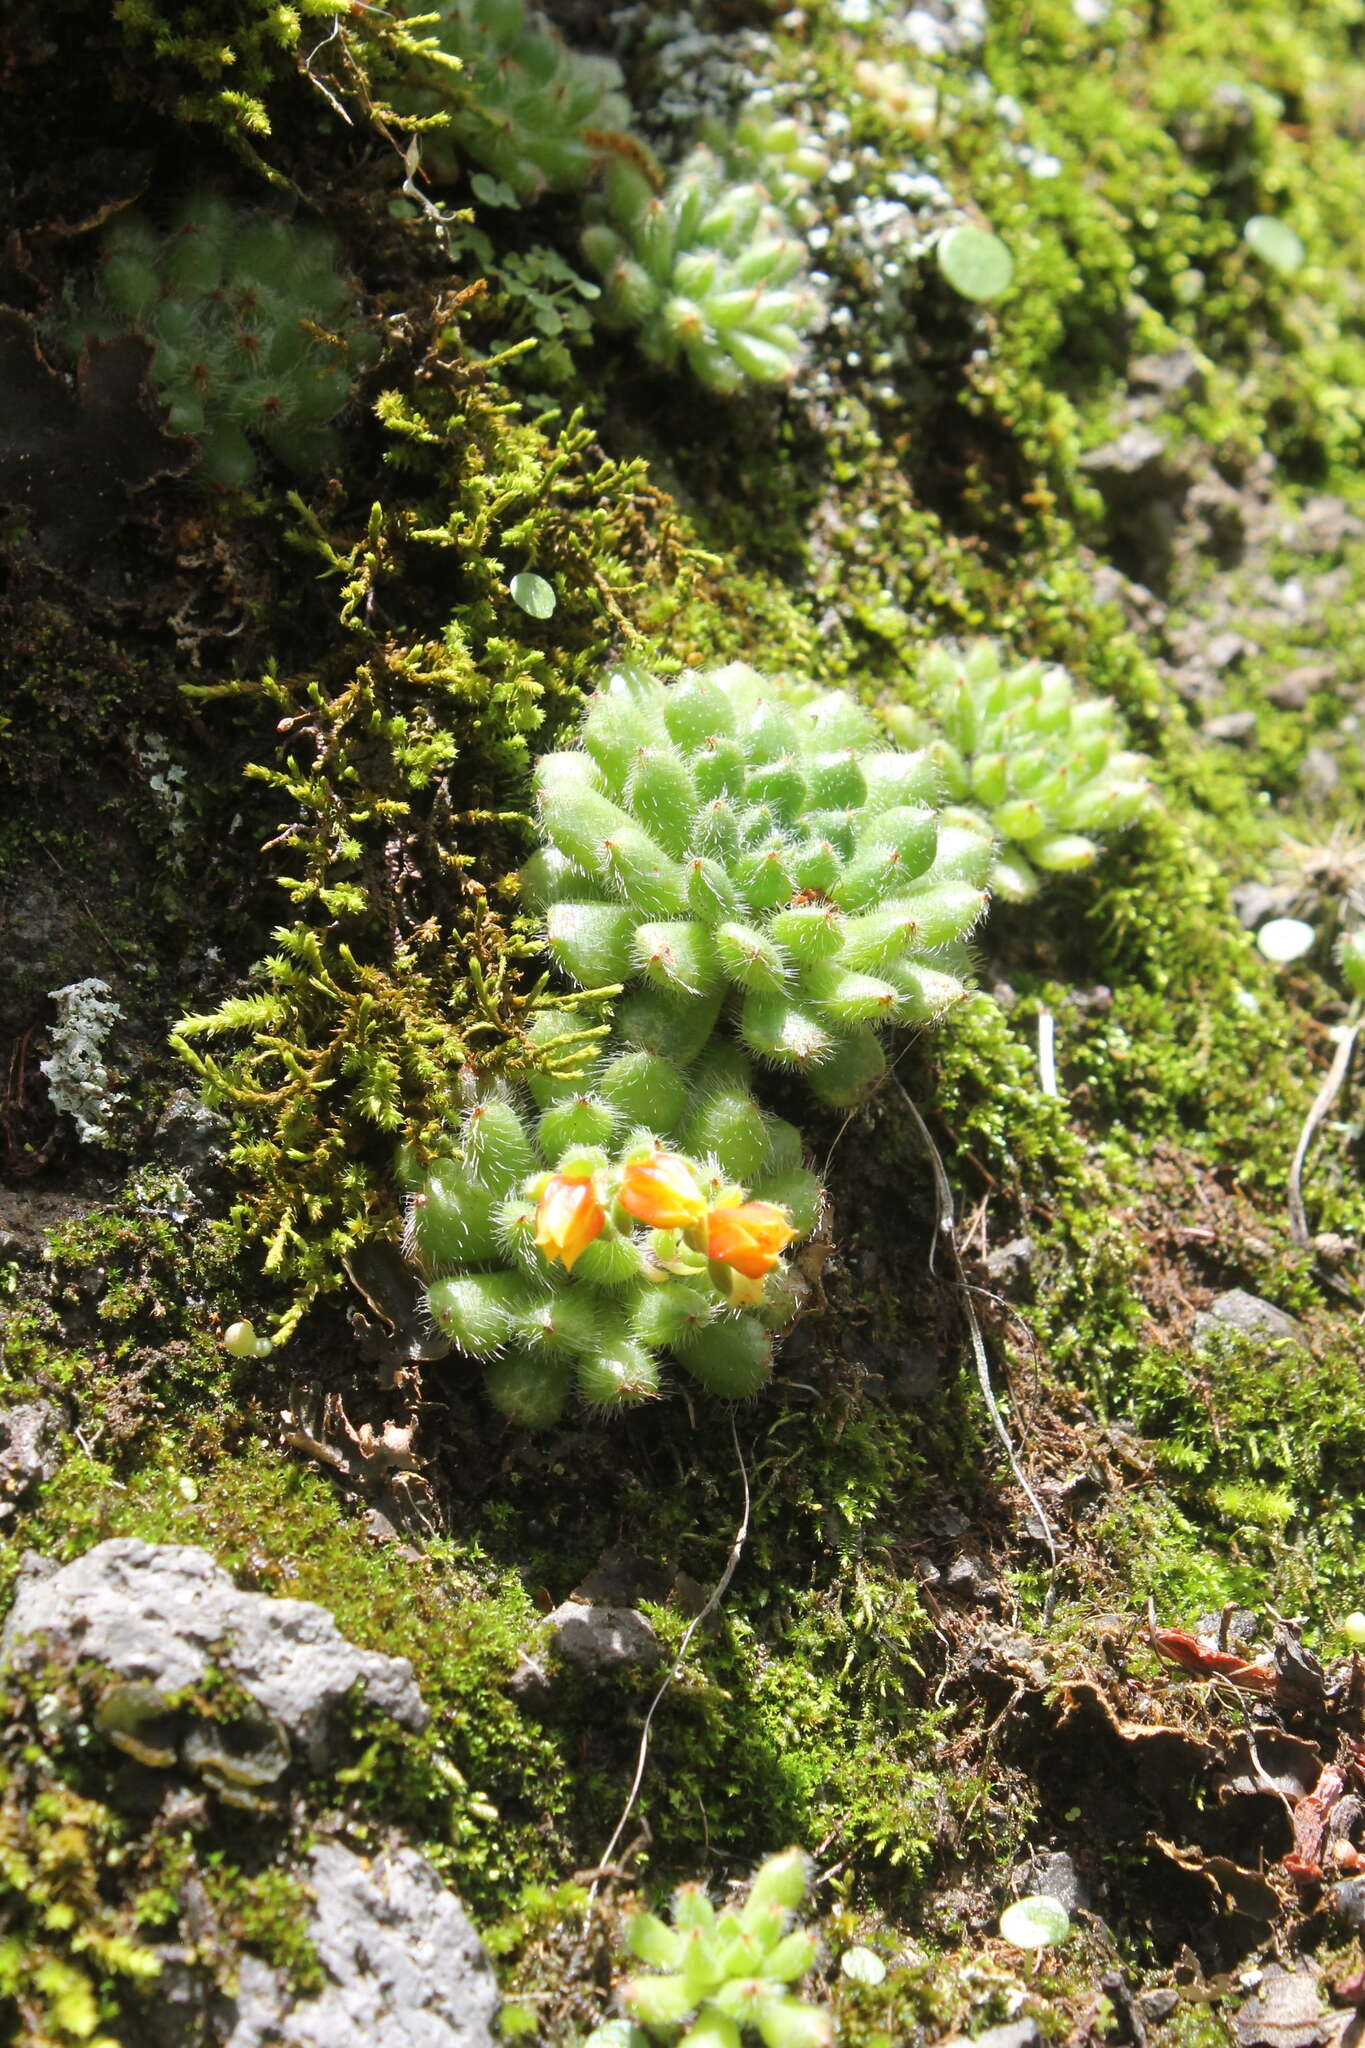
(709, 269)
(252, 325)
(706, 263)
(517, 99)
(713, 840)
(729, 851)
(1046, 770)
(719, 1978)
(627, 1212)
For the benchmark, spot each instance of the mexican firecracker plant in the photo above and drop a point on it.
(714, 842)
(630, 1213)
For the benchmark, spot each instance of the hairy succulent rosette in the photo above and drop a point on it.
(717, 846)
(252, 325)
(518, 101)
(1048, 770)
(569, 1245)
(710, 271)
(713, 1975)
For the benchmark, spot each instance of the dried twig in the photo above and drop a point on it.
(1322, 1103)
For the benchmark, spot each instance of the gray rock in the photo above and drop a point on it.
(165, 1614)
(1326, 524)
(1156, 2006)
(1286, 2011)
(1347, 1903)
(602, 1639)
(191, 1136)
(1227, 650)
(530, 1681)
(1249, 1316)
(970, 1580)
(405, 1965)
(1319, 775)
(1055, 1876)
(1234, 728)
(1134, 466)
(1254, 902)
(29, 1437)
(1017, 2034)
(1297, 685)
(1179, 374)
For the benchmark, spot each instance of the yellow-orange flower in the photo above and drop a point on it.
(568, 1217)
(663, 1191)
(750, 1237)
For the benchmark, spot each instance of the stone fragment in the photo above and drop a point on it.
(1134, 466)
(1249, 1316)
(404, 1968)
(915, 1373)
(1319, 776)
(1179, 374)
(1234, 728)
(1016, 2034)
(191, 1136)
(602, 1639)
(1054, 1875)
(167, 1614)
(1227, 650)
(1297, 685)
(1285, 2011)
(970, 1580)
(29, 1437)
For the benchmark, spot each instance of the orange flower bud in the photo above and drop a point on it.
(568, 1217)
(663, 1191)
(750, 1237)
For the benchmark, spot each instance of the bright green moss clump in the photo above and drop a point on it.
(253, 327)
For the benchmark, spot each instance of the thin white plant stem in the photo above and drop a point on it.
(718, 1592)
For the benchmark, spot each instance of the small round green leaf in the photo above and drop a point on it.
(1035, 1922)
(1285, 939)
(1275, 242)
(975, 262)
(862, 1965)
(1353, 1628)
(535, 596)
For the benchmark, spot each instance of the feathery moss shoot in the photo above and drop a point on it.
(252, 324)
(632, 1214)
